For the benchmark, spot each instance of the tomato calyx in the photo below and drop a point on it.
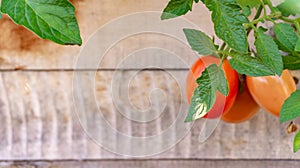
(292, 128)
(242, 79)
(296, 80)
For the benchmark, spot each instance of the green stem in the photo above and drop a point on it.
(297, 26)
(224, 53)
(270, 5)
(258, 12)
(257, 15)
(286, 19)
(223, 46)
(271, 20)
(221, 50)
(265, 10)
(267, 17)
(253, 22)
(254, 28)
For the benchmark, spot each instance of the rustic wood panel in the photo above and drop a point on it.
(21, 48)
(38, 119)
(156, 163)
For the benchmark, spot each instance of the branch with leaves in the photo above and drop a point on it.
(52, 19)
(232, 25)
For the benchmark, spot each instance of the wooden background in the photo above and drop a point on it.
(38, 125)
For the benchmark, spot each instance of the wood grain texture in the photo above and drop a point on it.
(21, 48)
(156, 163)
(38, 119)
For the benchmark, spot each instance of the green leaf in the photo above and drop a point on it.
(222, 86)
(281, 46)
(291, 62)
(176, 8)
(204, 97)
(289, 7)
(297, 47)
(228, 23)
(246, 11)
(218, 79)
(297, 142)
(200, 42)
(291, 107)
(196, 1)
(250, 3)
(268, 52)
(248, 65)
(286, 35)
(49, 19)
(202, 100)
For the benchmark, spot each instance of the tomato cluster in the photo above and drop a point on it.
(246, 96)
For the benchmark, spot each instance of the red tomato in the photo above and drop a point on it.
(270, 92)
(243, 108)
(223, 103)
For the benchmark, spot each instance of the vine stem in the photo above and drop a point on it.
(254, 27)
(265, 9)
(225, 54)
(296, 23)
(223, 46)
(270, 5)
(257, 15)
(286, 19)
(271, 20)
(267, 17)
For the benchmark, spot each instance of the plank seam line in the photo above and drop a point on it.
(101, 69)
(149, 159)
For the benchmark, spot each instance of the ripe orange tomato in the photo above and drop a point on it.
(223, 103)
(243, 108)
(270, 92)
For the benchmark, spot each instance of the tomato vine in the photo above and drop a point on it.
(232, 25)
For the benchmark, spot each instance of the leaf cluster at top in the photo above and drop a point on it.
(232, 24)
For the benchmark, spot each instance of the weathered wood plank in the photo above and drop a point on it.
(38, 119)
(20, 48)
(156, 163)
(37, 111)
